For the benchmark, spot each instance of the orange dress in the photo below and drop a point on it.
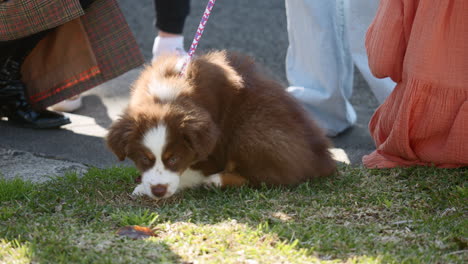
(423, 46)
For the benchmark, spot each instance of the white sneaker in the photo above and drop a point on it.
(70, 105)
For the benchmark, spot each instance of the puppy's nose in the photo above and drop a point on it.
(159, 190)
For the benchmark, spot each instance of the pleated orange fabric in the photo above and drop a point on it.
(423, 46)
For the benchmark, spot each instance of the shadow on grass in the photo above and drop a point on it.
(66, 221)
(402, 215)
(412, 215)
(32, 252)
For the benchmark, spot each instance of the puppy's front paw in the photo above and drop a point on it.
(139, 190)
(213, 181)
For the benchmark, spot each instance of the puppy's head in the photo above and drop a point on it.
(162, 137)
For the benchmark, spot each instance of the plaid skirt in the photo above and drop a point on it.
(84, 50)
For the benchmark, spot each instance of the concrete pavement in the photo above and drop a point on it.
(257, 28)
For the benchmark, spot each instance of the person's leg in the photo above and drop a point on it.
(360, 14)
(170, 15)
(13, 98)
(319, 64)
(170, 20)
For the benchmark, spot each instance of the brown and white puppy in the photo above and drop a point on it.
(223, 123)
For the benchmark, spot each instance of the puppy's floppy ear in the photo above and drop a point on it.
(201, 134)
(119, 135)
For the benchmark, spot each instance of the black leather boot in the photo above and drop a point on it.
(14, 104)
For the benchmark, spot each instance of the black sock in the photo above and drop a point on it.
(171, 15)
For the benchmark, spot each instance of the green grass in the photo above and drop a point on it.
(416, 215)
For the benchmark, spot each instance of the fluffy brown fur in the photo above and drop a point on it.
(227, 118)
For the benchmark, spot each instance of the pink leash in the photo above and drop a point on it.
(198, 35)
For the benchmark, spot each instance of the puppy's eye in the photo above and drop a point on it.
(173, 160)
(145, 160)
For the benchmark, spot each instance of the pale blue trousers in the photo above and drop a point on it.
(326, 38)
